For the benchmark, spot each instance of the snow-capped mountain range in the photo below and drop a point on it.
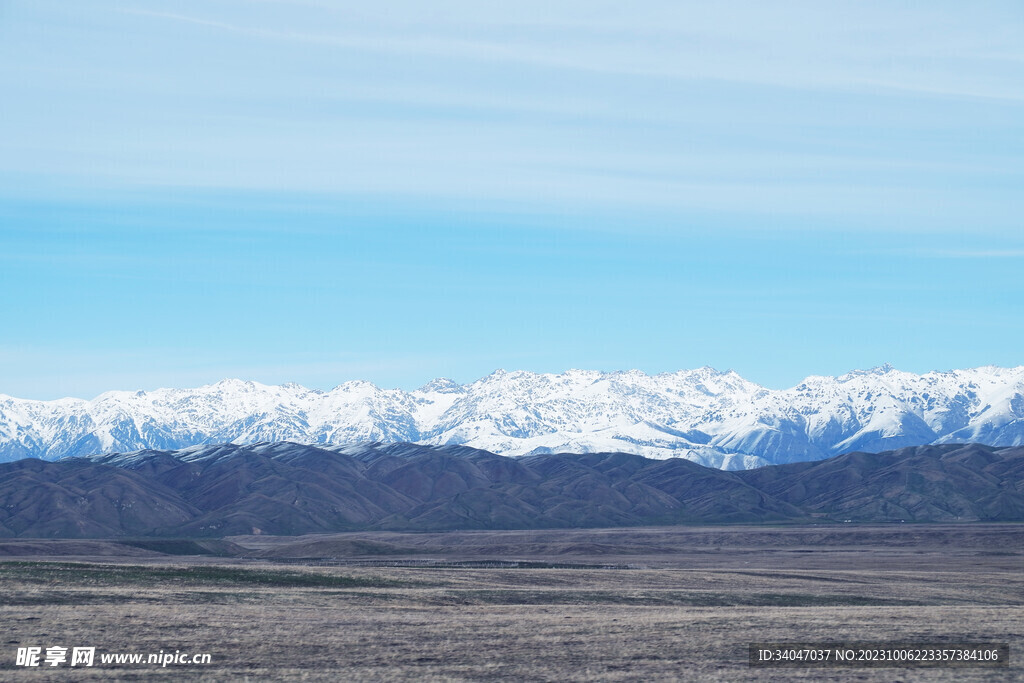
(714, 418)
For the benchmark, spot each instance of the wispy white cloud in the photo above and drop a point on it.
(770, 53)
(969, 253)
(782, 110)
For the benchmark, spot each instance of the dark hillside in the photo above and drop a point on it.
(288, 489)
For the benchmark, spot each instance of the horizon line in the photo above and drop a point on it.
(884, 368)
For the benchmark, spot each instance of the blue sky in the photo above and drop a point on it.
(316, 191)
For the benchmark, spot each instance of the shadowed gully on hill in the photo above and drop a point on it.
(286, 488)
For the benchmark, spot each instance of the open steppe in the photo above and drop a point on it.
(669, 603)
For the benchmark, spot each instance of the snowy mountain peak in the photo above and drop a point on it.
(442, 385)
(712, 417)
(877, 371)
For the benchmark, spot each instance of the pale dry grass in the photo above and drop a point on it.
(519, 624)
(689, 615)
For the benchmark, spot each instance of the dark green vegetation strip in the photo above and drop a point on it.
(76, 573)
(453, 564)
(665, 598)
(36, 597)
(170, 546)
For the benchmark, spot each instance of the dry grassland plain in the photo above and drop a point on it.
(616, 605)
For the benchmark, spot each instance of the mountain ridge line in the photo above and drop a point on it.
(713, 418)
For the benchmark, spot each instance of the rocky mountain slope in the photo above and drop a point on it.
(713, 418)
(287, 488)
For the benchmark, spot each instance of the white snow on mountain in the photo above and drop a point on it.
(714, 418)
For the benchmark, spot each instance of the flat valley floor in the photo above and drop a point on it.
(668, 603)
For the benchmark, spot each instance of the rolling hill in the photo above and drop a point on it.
(287, 488)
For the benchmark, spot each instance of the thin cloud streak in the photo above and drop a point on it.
(592, 56)
(970, 253)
